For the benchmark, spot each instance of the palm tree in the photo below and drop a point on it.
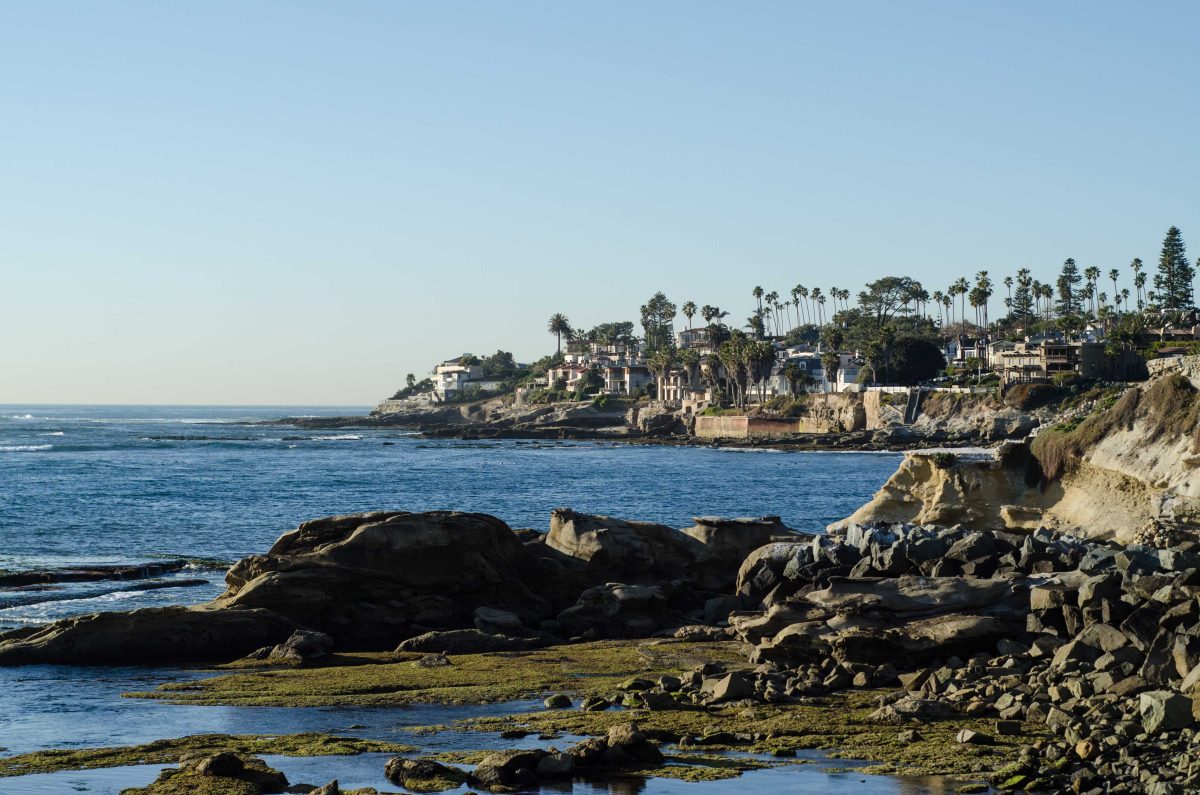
(689, 309)
(1008, 283)
(757, 292)
(560, 327)
(938, 298)
(796, 301)
(961, 288)
(1139, 282)
(1092, 275)
(819, 299)
(1112, 275)
(1136, 265)
(984, 285)
(772, 299)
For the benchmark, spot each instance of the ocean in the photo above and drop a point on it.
(84, 485)
(129, 484)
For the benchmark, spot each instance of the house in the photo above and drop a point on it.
(451, 377)
(693, 339)
(1049, 358)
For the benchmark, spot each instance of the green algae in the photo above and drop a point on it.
(838, 724)
(170, 751)
(395, 679)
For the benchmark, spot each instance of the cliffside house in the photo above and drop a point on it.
(621, 368)
(452, 379)
(1043, 360)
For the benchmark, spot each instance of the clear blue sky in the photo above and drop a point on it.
(294, 202)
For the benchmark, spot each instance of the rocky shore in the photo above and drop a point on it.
(854, 421)
(972, 620)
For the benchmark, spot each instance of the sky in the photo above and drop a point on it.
(299, 202)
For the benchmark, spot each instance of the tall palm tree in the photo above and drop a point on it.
(1139, 282)
(937, 299)
(772, 299)
(819, 300)
(1113, 275)
(689, 309)
(1092, 275)
(1136, 265)
(961, 288)
(1008, 284)
(796, 301)
(984, 285)
(757, 292)
(560, 327)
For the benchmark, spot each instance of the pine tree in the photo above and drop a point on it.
(1070, 302)
(1173, 282)
(1022, 300)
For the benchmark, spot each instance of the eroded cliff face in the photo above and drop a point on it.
(1131, 465)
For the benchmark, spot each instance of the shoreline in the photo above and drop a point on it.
(873, 441)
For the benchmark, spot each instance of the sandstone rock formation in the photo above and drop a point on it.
(1105, 474)
(374, 580)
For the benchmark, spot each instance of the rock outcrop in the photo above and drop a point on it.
(456, 581)
(1132, 462)
(1094, 640)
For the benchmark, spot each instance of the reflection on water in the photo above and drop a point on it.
(62, 707)
(367, 771)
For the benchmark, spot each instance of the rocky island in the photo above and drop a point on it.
(1026, 619)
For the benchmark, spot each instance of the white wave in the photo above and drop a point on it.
(24, 448)
(53, 433)
(340, 437)
(22, 417)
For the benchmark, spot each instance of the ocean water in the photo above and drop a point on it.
(92, 484)
(102, 485)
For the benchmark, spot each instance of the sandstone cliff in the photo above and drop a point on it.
(1128, 465)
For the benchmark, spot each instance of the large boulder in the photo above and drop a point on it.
(372, 580)
(708, 554)
(616, 610)
(618, 549)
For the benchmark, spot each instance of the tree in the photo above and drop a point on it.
(618, 333)
(689, 310)
(1173, 282)
(914, 360)
(961, 288)
(939, 298)
(1112, 275)
(658, 315)
(1069, 300)
(500, 364)
(981, 295)
(410, 380)
(884, 298)
(1138, 276)
(1023, 301)
(560, 327)
(1092, 275)
(711, 313)
(757, 292)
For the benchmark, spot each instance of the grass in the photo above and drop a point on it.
(393, 679)
(1169, 406)
(170, 751)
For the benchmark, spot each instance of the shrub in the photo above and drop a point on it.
(943, 460)
(1059, 447)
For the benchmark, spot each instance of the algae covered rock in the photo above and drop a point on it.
(222, 773)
